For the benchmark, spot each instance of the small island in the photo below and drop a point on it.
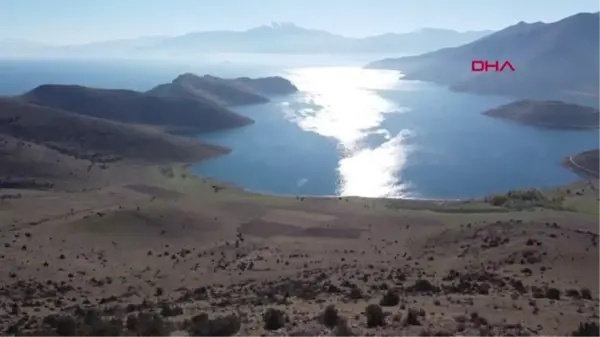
(225, 92)
(549, 114)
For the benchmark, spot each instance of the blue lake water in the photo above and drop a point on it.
(348, 131)
(352, 131)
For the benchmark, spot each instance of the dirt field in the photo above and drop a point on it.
(157, 252)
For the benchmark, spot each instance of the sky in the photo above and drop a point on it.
(82, 21)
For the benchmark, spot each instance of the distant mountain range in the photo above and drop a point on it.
(551, 59)
(274, 38)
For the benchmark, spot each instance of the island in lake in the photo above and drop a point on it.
(225, 92)
(550, 114)
(557, 115)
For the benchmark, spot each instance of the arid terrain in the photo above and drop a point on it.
(103, 231)
(152, 250)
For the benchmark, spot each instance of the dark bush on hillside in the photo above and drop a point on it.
(202, 325)
(145, 324)
(390, 299)
(553, 294)
(330, 316)
(522, 199)
(62, 325)
(91, 324)
(574, 293)
(587, 329)
(423, 286)
(498, 200)
(375, 316)
(342, 328)
(412, 317)
(586, 294)
(355, 293)
(169, 311)
(274, 319)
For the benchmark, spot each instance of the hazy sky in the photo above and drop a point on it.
(76, 21)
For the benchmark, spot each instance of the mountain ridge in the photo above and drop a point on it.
(278, 38)
(551, 58)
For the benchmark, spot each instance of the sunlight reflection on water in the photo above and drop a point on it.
(342, 103)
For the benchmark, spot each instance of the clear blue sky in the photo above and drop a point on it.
(76, 21)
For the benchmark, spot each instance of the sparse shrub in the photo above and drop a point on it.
(355, 293)
(342, 328)
(519, 286)
(159, 292)
(224, 326)
(537, 292)
(168, 311)
(86, 322)
(426, 332)
(587, 329)
(553, 294)
(424, 286)
(113, 327)
(498, 200)
(478, 320)
(586, 293)
(375, 316)
(429, 332)
(274, 319)
(132, 323)
(390, 299)
(574, 293)
(330, 316)
(145, 324)
(62, 325)
(484, 288)
(412, 317)
(397, 317)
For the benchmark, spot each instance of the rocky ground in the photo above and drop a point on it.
(183, 256)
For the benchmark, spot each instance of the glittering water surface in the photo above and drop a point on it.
(349, 131)
(353, 131)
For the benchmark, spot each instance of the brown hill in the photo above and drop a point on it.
(29, 165)
(95, 139)
(551, 114)
(172, 113)
(239, 91)
(585, 163)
